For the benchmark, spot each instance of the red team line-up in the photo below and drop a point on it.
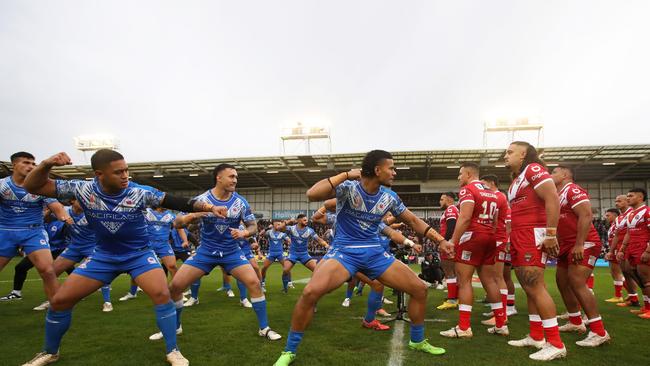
(543, 215)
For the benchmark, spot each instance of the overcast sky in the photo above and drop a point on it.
(213, 79)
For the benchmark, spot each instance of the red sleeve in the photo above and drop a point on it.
(576, 196)
(537, 174)
(465, 195)
(504, 206)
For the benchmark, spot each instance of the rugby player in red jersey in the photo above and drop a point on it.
(447, 225)
(535, 212)
(474, 242)
(579, 249)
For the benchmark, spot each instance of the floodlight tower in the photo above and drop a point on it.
(95, 142)
(512, 126)
(305, 135)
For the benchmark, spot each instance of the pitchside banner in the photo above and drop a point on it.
(290, 214)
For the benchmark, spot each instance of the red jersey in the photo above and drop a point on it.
(450, 213)
(571, 196)
(485, 206)
(620, 226)
(504, 216)
(638, 224)
(528, 210)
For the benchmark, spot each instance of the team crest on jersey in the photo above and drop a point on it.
(528, 257)
(221, 228)
(113, 227)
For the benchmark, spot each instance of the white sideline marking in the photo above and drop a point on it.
(396, 346)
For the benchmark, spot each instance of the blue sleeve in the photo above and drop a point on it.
(66, 189)
(152, 196)
(48, 201)
(247, 214)
(398, 207)
(342, 191)
(313, 234)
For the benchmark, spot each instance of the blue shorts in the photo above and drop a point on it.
(105, 267)
(249, 255)
(30, 240)
(77, 254)
(206, 261)
(275, 257)
(371, 261)
(303, 258)
(162, 249)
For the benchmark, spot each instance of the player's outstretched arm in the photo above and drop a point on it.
(422, 228)
(398, 237)
(60, 212)
(251, 229)
(182, 221)
(38, 180)
(326, 188)
(192, 205)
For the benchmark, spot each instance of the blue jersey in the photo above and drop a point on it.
(81, 235)
(56, 234)
(117, 220)
(177, 242)
(358, 214)
(384, 240)
(159, 224)
(18, 208)
(215, 231)
(276, 241)
(300, 238)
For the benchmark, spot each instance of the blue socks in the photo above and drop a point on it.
(226, 286)
(285, 281)
(348, 292)
(106, 293)
(374, 304)
(259, 305)
(417, 333)
(56, 324)
(293, 340)
(243, 292)
(194, 288)
(166, 318)
(133, 290)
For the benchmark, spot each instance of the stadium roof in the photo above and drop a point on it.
(593, 163)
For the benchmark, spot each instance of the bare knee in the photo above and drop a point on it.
(310, 295)
(419, 291)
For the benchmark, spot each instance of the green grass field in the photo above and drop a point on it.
(220, 332)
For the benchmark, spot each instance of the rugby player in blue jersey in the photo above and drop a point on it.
(220, 238)
(114, 209)
(277, 239)
(362, 202)
(300, 235)
(21, 223)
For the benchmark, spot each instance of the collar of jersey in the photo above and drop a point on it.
(368, 194)
(98, 188)
(213, 197)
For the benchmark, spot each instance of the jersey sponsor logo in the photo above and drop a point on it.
(463, 192)
(535, 168)
(221, 228)
(466, 255)
(43, 241)
(151, 260)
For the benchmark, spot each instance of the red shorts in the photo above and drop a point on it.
(633, 254)
(526, 247)
(589, 257)
(502, 252)
(476, 249)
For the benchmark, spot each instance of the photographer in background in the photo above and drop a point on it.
(431, 271)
